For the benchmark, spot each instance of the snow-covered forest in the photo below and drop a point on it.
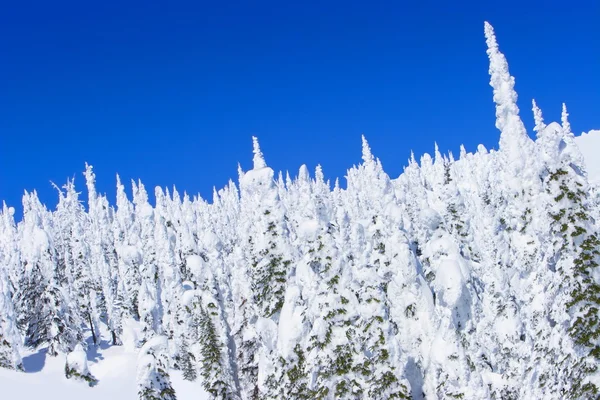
(469, 277)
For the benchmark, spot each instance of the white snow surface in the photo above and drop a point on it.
(114, 367)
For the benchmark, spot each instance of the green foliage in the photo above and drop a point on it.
(333, 281)
(188, 366)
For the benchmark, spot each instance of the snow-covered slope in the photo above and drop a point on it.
(589, 144)
(114, 367)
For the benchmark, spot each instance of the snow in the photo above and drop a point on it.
(430, 219)
(195, 264)
(257, 176)
(450, 281)
(132, 334)
(589, 145)
(114, 367)
(292, 330)
(308, 229)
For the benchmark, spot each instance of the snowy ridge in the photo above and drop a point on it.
(468, 278)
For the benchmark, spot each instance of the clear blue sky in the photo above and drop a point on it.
(172, 93)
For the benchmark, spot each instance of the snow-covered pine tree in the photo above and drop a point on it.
(149, 301)
(270, 235)
(215, 362)
(267, 249)
(10, 340)
(76, 366)
(44, 308)
(378, 366)
(126, 233)
(575, 259)
(104, 257)
(153, 380)
(75, 258)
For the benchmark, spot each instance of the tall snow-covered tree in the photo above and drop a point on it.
(10, 338)
(153, 380)
(74, 256)
(104, 257)
(150, 305)
(44, 307)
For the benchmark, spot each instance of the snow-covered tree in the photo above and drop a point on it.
(149, 301)
(76, 366)
(104, 257)
(44, 307)
(10, 338)
(153, 379)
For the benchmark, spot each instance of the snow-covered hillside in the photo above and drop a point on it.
(469, 278)
(589, 144)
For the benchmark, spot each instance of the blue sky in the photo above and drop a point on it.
(171, 92)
